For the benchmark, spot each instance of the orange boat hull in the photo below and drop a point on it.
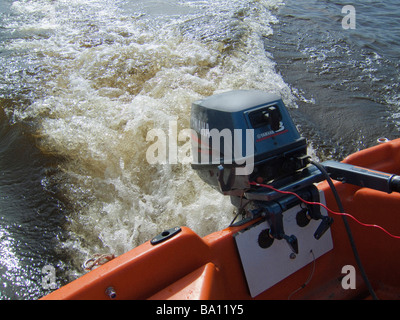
(189, 267)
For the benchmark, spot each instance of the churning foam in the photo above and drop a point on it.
(110, 72)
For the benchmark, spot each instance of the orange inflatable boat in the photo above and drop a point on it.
(349, 250)
(186, 266)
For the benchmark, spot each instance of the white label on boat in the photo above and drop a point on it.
(265, 267)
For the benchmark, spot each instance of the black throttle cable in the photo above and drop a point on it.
(348, 230)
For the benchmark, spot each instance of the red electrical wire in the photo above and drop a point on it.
(324, 206)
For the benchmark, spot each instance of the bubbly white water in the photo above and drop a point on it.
(106, 73)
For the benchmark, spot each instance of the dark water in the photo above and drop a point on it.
(31, 216)
(82, 82)
(349, 77)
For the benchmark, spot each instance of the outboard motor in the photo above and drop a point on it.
(241, 135)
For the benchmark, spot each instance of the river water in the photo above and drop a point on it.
(82, 82)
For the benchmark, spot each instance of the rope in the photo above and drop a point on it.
(97, 260)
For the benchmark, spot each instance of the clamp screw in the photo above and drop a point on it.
(111, 293)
